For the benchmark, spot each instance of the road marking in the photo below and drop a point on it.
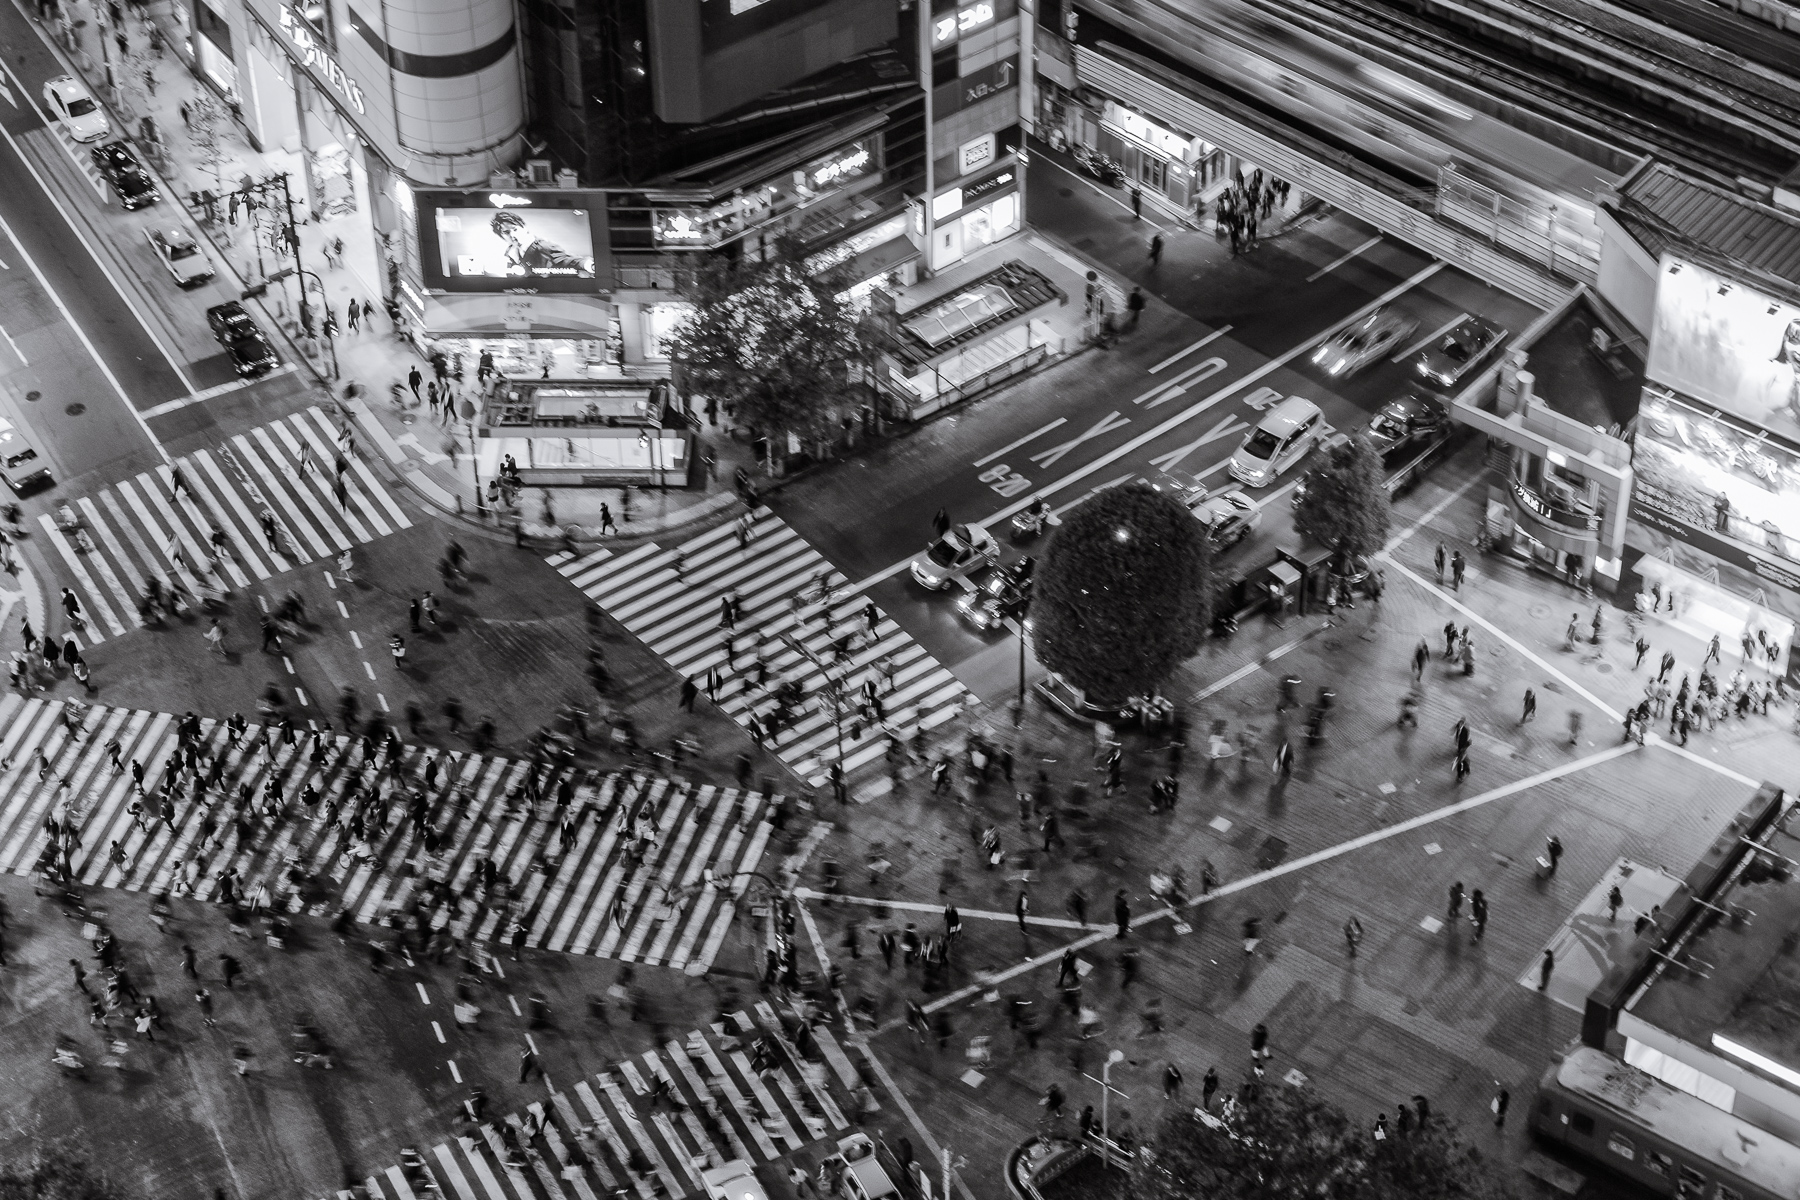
(424, 996)
(355, 640)
(169, 406)
(1708, 763)
(1104, 191)
(105, 269)
(1287, 868)
(93, 353)
(454, 1073)
(1223, 428)
(1429, 338)
(1011, 446)
(1333, 265)
(1181, 354)
(1433, 511)
(1250, 668)
(15, 346)
(1108, 423)
(301, 692)
(919, 906)
(1179, 385)
(1173, 421)
(1488, 625)
(439, 1030)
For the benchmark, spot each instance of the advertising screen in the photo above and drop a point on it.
(1728, 345)
(514, 248)
(1717, 475)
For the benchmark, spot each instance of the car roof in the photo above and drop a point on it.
(1285, 416)
(66, 84)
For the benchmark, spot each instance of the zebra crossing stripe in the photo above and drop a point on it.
(677, 618)
(143, 529)
(589, 900)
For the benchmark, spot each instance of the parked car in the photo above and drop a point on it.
(1003, 596)
(1403, 424)
(74, 107)
(863, 1175)
(732, 1181)
(1349, 350)
(961, 552)
(1465, 347)
(23, 469)
(181, 255)
(1229, 517)
(1281, 439)
(243, 341)
(121, 168)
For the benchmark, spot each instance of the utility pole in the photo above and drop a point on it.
(1107, 1092)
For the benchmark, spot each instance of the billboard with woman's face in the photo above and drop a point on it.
(1726, 345)
(512, 246)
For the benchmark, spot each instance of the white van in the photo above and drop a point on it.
(1280, 440)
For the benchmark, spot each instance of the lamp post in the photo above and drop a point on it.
(1019, 708)
(1106, 1093)
(467, 413)
(305, 323)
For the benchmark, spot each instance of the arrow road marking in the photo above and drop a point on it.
(1181, 354)
(1179, 386)
(1107, 424)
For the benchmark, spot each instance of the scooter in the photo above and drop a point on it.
(1033, 521)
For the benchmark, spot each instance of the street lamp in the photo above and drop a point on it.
(1019, 710)
(1106, 1093)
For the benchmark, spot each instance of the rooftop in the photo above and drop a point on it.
(1751, 975)
(1578, 382)
(1663, 208)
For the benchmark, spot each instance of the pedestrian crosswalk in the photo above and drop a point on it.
(739, 1089)
(633, 867)
(159, 526)
(831, 649)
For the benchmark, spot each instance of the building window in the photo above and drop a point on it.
(1621, 1146)
(1582, 1123)
(1153, 171)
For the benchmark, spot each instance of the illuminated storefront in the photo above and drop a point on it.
(971, 216)
(1715, 510)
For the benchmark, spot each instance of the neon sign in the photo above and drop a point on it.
(503, 200)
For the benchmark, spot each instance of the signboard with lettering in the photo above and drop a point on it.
(972, 17)
(975, 87)
(988, 185)
(976, 154)
(313, 55)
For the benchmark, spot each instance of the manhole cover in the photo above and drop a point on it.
(76, 409)
(1604, 668)
(34, 397)
(1540, 611)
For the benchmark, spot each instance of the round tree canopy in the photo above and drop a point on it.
(1123, 593)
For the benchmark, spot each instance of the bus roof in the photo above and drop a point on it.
(1710, 1134)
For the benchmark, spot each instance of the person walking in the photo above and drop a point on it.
(1022, 908)
(1642, 648)
(1553, 852)
(1259, 1048)
(1545, 968)
(1668, 665)
(1457, 567)
(689, 692)
(1530, 713)
(1478, 914)
(1171, 1082)
(1134, 305)
(1156, 250)
(1209, 1083)
(414, 377)
(1353, 934)
(1122, 914)
(215, 637)
(1614, 899)
(1574, 631)
(1438, 559)
(940, 524)
(1574, 726)
(1456, 900)
(1498, 1106)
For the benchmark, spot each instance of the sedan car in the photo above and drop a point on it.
(962, 551)
(1229, 517)
(181, 255)
(1411, 421)
(74, 107)
(1281, 439)
(1003, 596)
(19, 463)
(243, 341)
(1468, 343)
(121, 168)
(1351, 349)
(732, 1181)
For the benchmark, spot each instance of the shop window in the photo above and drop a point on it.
(1153, 171)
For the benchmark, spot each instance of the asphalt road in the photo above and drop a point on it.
(1172, 400)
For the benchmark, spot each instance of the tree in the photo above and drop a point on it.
(54, 1175)
(1124, 593)
(772, 342)
(1281, 1142)
(1345, 506)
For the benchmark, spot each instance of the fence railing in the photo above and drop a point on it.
(1563, 238)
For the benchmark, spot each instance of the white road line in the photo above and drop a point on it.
(1181, 354)
(1488, 625)
(1657, 739)
(105, 268)
(1333, 265)
(1174, 420)
(1104, 192)
(87, 343)
(1429, 338)
(1011, 446)
(1288, 868)
(1433, 511)
(20, 354)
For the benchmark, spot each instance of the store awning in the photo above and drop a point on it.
(529, 316)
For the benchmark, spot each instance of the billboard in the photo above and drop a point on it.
(526, 241)
(1710, 473)
(1726, 345)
